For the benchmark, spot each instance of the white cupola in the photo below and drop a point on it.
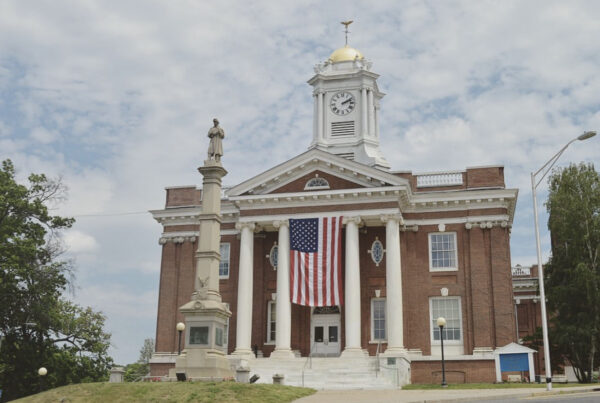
(346, 98)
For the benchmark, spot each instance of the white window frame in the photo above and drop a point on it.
(432, 320)
(385, 318)
(449, 268)
(271, 305)
(223, 276)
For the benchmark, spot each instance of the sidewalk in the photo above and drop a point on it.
(389, 396)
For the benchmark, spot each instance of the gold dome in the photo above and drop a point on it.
(345, 54)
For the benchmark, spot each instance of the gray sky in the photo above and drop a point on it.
(117, 96)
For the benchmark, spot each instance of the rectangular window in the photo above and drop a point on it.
(271, 321)
(199, 335)
(449, 309)
(442, 251)
(378, 319)
(224, 263)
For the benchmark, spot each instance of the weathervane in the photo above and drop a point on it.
(346, 23)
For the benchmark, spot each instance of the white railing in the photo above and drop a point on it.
(439, 179)
(521, 271)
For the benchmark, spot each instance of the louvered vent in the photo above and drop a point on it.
(339, 129)
(348, 156)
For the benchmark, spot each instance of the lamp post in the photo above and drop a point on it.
(544, 170)
(42, 372)
(441, 322)
(180, 329)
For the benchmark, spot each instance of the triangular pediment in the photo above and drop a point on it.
(292, 175)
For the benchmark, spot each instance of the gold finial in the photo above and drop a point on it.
(346, 23)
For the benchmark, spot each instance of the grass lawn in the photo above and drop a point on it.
(514, 385)
(170, 392)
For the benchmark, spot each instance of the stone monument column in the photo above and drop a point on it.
(205, 315)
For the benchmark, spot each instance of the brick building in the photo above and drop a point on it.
(414, 247)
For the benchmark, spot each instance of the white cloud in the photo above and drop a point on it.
(79, 242)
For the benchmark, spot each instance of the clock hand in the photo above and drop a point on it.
(346, 101)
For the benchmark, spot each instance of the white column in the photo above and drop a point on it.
(376, 135)
(393, 280)
(283, 327)
(315, 118)
(320, 116)
(371, 113)
(243, 331)
(364, 107)
(352, 290)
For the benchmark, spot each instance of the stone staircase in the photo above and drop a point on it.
(328, 373)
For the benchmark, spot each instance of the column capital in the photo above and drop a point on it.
(240, 225)
(279, 223)
(392, 217)
(355, 219)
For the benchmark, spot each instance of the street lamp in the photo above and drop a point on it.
(544, 170)
(180, 329)
(441, 322)
(42, 373)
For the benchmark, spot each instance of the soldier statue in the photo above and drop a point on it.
(216, 135)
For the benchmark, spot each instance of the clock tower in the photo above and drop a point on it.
(346, 112)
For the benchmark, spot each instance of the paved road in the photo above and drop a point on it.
(580, 397)
(527, 395)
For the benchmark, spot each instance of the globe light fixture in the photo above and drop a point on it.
(180, 329)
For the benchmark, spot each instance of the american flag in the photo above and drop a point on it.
(315, 261)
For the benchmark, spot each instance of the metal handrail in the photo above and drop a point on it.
(308, 359)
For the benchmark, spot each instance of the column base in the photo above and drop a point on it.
(282, 354)
(353, 352)
(395, 352)
(244, 353)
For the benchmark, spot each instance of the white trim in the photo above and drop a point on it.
(449, 268)
(446, 342)
(385, 321)
(316, 158)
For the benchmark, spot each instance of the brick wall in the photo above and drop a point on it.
(456, 371)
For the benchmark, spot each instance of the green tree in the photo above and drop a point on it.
(136, 371)
(573, 273)
(39, 327)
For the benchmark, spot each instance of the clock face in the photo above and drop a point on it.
(342, 103)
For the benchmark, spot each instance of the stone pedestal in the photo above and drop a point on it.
(205, 315)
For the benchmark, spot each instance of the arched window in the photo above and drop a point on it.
(316, 183)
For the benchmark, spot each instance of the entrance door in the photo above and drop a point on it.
(325, 335)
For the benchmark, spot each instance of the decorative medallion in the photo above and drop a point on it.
(377, 251)
(273, 256)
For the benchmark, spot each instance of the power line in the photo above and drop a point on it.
(110, 214)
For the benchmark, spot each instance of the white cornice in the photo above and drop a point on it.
(308, 161)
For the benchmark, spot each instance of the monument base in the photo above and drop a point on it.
(199, 364)
(204, 356)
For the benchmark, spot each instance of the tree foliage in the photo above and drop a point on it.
(39, 327)
(573, 273)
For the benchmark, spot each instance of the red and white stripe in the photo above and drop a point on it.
(316, 278)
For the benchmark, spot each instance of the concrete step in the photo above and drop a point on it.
(325, 373)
